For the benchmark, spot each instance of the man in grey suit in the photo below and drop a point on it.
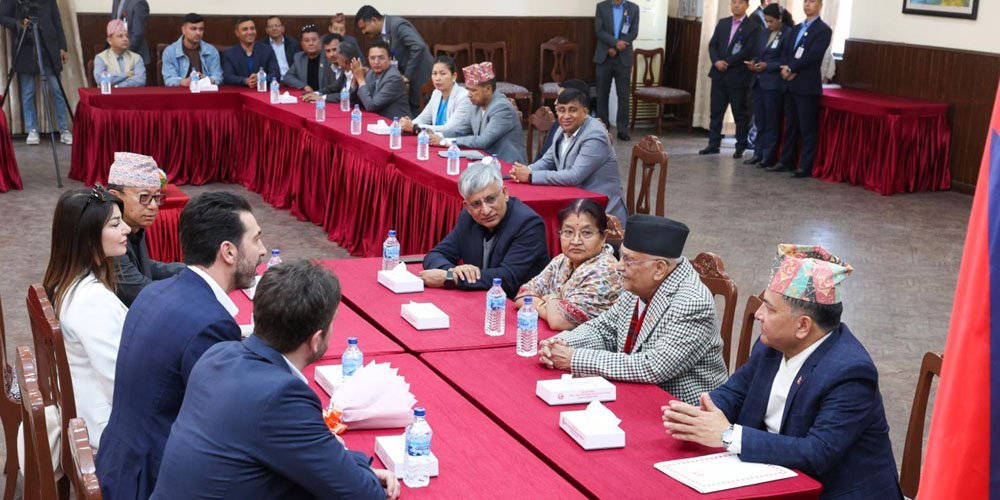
(309, 69)
(582, 155)
(616, 24)
(134, 13)
(406, 48)
(493, 126)
(381, 89)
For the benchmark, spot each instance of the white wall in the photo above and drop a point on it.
(883, 20)
(522, 8)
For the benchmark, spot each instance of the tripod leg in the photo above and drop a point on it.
(12, 72)
(45, 99)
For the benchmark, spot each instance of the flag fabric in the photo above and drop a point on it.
(963, 450)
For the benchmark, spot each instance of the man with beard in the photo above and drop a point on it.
(167, 329)
(250, 426)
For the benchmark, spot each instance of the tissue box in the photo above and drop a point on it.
(588, 434)
(401, 281)
(330, 377)
(390, 450)
(424, 316)
(568, 390)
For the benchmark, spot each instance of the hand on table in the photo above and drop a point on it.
(252, 81)
(406, 124)
(467, 272)
(433, 278)
(554, 353)
(186, 82)
(435, 139)
(311, 97)
(389, 482)
(721, 65)
(520, 172)
(702, 425)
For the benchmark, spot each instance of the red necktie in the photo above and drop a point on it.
(634, 326)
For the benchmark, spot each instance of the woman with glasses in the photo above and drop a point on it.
(87, 234)
(583, 281)
(449, 107)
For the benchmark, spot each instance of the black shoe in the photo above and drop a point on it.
(800, 174)
(624, 136)
(764, 165)
(709, 151)
(777, 167)
(753, 161)
(739, 153)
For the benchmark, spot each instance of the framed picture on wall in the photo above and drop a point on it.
(963, 9)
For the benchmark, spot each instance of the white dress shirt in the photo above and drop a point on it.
(220, 294)
(279, 54)
(295, 370)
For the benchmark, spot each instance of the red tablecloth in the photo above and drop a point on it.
(465, 310)
(355, 187)
(162, 238)
(503, 385)
(886, 143)
(10, 177)
(477, 458)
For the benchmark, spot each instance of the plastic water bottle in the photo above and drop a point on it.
(453, 156)
(195, 78)
(395, 134)
(417, 461)
(261, 80)
(352, 358)
(321, 108)
(496, 163)
(345, 98)
(496, 309)
(390, 251)
(275, 258)
(527, 330)
(423, 146)
(105, 83)
(356, 120)
(275, 91)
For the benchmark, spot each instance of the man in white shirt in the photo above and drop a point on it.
(285, 47)
(808, 397)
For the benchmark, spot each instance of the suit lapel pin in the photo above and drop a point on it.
(799, 381)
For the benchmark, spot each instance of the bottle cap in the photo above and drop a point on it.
(497, 281)
(275, 252)
(527, 301)
(419, 411)
(352, 340)
(392, 232)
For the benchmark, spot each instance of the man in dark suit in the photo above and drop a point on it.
(733, 43)
(309, 70)
(284, 46)
(768, 88)
(250, 426)
(134, 13)
(241, 62)
(381, 88)
(496, 236)
(808, 398)
(167, 329)
(802, 70)
(616, 24)
(406, 48)
(339, 55)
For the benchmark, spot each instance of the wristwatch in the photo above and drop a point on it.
(449, 280)
(727, 436)
(416, 128)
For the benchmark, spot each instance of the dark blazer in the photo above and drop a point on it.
(250, 428)
(409, 49)
(291, 46)
(833, 427)
(720, 48)
(49, 27)
(518, 255)
(604, 28)
(808, 68)
(135, 13)
(234, 65)
(136, 269)
(336, 82)
(757, 16)
(168, 327)
(771, 53)
(385, 94)
(298, 71)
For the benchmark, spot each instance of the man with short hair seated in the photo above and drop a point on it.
(139, 182)
(808, 397)
(309, 69)
(250, 425)
(581, 155)
(494, 126)
(190, 52)
(663, 330)
(339, 55)
(284, 46)
(381, 88)
(496, 236)
(241, 62)
(124, 66)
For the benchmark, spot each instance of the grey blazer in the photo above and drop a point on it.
(409, 50)
(590, 163)
(135, 13)
(497, 131)
(385, 94)
(298, 72)
(604, 28)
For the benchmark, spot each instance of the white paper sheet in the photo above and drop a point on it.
(721, 471)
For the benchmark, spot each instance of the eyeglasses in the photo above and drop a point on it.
(489, 200)
(629, 262)
(586, 234)
(145, 198)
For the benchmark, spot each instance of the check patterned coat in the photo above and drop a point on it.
(678, 347)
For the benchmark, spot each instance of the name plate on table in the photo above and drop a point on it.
(425, 316)
(569, 390)
(390, 450)
(399, 280)
(330, 377)
(595, 428)
(721, 471)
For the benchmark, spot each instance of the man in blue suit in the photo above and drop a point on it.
(250, 426)
(808, 398)
(169, 326)
(802, 62)
(241, 62)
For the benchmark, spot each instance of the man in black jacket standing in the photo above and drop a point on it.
(134, 14)
(616, 24)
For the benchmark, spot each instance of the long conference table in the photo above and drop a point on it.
(493, 437)
(353, 186)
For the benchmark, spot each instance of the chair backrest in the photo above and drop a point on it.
(650, 152)
(460, 52)
(520, 115)
(909, 474)
(541, 121)
(425, 93)
(650, 70)
(160, 47)
(85, 472)
(489, 51)
(616, 233)
(39, 477)
(746, 331)
(90, 73)
(561, 50)
(10, 414)
(713, 275)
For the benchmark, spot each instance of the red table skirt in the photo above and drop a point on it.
(10, 177)
(162, 238)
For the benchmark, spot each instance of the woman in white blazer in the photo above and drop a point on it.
(456, 109)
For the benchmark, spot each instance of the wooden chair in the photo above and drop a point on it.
(909, 474)
(160, 47)
(616, 233)
(652, 90)
(454, 51)
(85, 472)
(746, 331)
(520, 115)
(541, 122)
(39, 477)
(425, 93)
(713, 275)
(90, 74)
(496, 52)
(562, 52)
(650, 152)
(10, 416)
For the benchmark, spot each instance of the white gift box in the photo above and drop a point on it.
(424, 316)
(399, 280)
(595, 428)
(390, 450)
(569, 390)
(330, 377)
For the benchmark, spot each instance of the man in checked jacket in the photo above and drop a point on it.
(663, 330)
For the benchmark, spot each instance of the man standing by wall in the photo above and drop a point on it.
(134, 13)
(616, 24)
(407, 49)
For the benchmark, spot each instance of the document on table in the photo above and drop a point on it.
(721, 471)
